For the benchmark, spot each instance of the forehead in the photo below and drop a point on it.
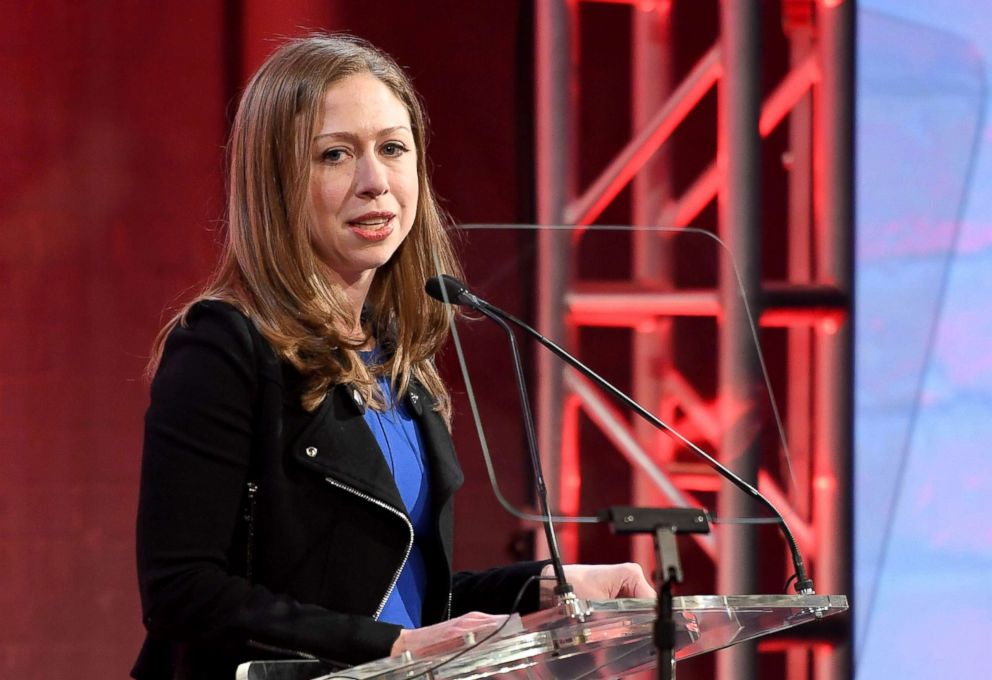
(360, 102)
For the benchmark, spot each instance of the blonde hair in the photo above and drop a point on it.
(268, 267)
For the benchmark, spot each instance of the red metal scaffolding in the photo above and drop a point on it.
(814, 302)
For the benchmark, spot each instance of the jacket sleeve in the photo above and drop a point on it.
(198, 441)
(494, 591)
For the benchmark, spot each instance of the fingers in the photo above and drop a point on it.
(480, 617)
(465, 623)
(473, 622)
(609, 581)
(637, 585)
(641, 588)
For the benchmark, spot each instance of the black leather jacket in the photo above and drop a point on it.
(264, 530)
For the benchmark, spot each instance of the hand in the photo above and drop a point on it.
(474, 622)
(599, 582)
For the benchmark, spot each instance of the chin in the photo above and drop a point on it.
(371, 264)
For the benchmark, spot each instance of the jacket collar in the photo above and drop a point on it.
(338, 443)
(446, 473)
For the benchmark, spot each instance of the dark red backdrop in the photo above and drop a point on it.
(113, 121)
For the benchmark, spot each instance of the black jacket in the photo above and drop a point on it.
(267, 530)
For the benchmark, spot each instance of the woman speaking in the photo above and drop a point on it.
(298, 471)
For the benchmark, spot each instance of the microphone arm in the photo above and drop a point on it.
(563, 589)
(454, 290)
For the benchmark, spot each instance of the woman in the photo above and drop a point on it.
(298, 470)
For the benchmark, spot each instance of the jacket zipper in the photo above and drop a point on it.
(250, 541)
(409, 545)
(447, 612)
(250, 517)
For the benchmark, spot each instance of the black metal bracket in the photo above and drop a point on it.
(626, 519)
(664, 524)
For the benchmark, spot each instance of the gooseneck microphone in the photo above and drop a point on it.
(450, 290)
(457, 294)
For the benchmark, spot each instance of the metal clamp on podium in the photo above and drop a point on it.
(664, 524)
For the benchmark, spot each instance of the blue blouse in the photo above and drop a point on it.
(402, 446)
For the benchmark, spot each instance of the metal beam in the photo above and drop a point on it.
(639, 150)
(814, 303)
(739, 212)
(555, 52)
(632, 305)
(833, 206)
(651, 66)
(777, 106)
(615, 427)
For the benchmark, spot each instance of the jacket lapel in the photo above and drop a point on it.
(446, 474)
(337, 443)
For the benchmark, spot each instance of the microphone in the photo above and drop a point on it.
(440, 287)
(452, 291)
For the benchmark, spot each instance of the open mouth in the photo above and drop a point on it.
(372, 226)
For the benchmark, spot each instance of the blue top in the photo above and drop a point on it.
(399, 439)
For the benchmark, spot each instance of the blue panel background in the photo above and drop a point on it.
(923, 563)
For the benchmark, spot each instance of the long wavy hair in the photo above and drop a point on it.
(269, 268)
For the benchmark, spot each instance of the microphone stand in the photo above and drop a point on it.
(563, 589)
(804, 585)
(663, 524)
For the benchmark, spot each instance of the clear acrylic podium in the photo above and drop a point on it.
(613, 639)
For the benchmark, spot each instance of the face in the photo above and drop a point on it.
(363, 178)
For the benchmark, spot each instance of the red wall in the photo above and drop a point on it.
(113, 122)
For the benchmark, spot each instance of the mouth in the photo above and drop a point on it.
(372, 226)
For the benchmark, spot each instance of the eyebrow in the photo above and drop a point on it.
(351, 135)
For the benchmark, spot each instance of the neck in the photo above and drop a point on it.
(355, 296)
(355, 290)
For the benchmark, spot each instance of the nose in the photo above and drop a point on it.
(371, 178)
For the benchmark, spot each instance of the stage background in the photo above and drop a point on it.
(923, 600)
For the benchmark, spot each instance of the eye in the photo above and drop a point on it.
(394, 149)
(335, 155)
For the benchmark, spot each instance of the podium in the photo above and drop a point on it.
(611, 639)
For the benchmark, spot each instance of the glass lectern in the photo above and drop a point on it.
(613, 638)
